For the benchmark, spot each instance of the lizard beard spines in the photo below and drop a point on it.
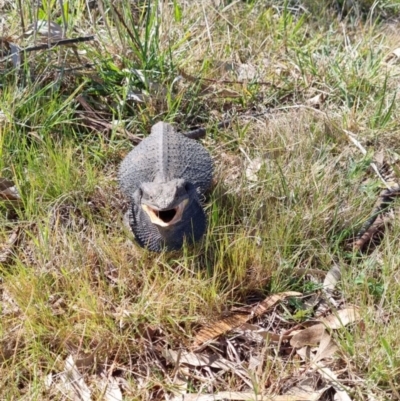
(157, 239)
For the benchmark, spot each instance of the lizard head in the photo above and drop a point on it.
(165, 202)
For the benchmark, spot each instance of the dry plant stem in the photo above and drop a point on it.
(118, 27)
(62, 42)
(208, 28)
(128, 30)
(90, 13)
(226, 82)
(49, 21)
(201, 131)
(73, 279)
(35, 7)
(65, 23)
(352, 138)
(21, 15)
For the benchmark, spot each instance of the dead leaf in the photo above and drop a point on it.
(327, 347)
(226, 324)
(137, 97)
(88, 360)
(332, 277)
(73, 383)
(304, 353)
(305, 390)
(314, 334)
(379, 157)
(341, 395)
(246, 72)
(8, 305)
(253, 168)
(48, 381)
(8, 191)
(317, 101)
(330, 377)
(328, 301)
(197, 360)
(309, 336)
(211, 361)
(341, 318)
(43, 28)
(245, 396)
(180, 384)
(256, 362)
(392, 57)
(253, 331)
(7, 249)
(110, 389)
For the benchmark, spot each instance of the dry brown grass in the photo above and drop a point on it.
(290, 193)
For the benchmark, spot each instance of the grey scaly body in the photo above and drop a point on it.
(164, 177)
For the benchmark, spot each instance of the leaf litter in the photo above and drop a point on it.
(314, 343)
(224, 349)
(72, 382)
(236, 319)
(225, 345)
(110, 389)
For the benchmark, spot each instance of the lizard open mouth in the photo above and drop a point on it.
(165, 218)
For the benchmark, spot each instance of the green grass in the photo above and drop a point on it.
(76, 281)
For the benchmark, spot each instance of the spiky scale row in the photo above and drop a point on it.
(165, 155)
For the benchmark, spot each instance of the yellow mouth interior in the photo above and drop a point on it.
(165, 218)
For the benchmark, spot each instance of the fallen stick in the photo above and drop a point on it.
(61, 42)
(377, 219)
